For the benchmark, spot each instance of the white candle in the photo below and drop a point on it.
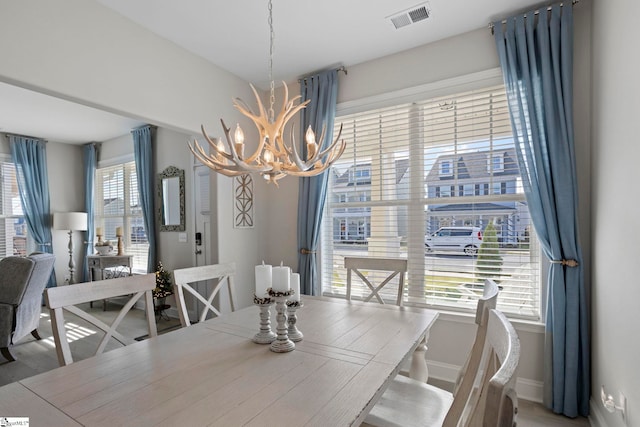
(99, 231)
(263, 279)
(295, 285)
(281, 276)
(118, 231)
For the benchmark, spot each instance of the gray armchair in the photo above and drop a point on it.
(22, 282)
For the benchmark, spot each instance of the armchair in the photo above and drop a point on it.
(22, 282)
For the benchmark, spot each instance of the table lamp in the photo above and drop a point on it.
(70, 221)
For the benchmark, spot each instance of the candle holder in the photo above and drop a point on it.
(282, 343)
(266, 335)
(99, 236)
(294, 333)
(120, 245)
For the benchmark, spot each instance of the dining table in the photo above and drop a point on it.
(212, 373)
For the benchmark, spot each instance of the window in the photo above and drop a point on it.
(428, 163)
(118, 205)
(13, 228)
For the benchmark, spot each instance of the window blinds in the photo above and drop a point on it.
(118, 205)
(411, 170)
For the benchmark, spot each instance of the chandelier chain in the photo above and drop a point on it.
(272, 95)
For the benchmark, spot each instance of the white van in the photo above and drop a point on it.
(465, 239)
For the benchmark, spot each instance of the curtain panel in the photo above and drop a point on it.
(89, 164)
(536, 57)
(143, 152)
(322, 90)
(30, 158)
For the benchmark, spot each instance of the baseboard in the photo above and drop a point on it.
(527, 389)
(596, 413)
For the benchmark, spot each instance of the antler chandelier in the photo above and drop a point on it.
(273, 159)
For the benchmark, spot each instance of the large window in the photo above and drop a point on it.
(441, 164)
(118, 205)
(13, 228)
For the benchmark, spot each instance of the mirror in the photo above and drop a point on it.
(171, 198)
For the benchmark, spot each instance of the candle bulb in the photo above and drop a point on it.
(281, 277)
(295, 286)
(263, 279)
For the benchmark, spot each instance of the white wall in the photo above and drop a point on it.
(616, 150)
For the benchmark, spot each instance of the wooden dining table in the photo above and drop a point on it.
(211, 373)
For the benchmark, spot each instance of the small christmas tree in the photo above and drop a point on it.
(489, 262)
(163, 283)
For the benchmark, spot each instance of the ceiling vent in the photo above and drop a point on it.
(410, 16)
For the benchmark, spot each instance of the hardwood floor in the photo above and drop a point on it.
(34, 357)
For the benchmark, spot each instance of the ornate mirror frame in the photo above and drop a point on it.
(171, 172)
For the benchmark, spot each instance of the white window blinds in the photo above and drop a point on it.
(118, 205)
(444, 164)
(13, 228)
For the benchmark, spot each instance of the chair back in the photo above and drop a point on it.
(495, 402)
(467, 375)
(183, 279)
(22, 281)
(65, 298)
(394, 267)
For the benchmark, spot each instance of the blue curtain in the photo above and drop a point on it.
(143, 151)
(89, 164)
(30, 158)
(536, 56)
(322, 90)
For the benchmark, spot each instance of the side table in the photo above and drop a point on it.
(98, 263)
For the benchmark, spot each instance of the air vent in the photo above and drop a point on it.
(410, 16)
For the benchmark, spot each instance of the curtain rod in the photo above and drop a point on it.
(342, 68)
(504, 21)
(7, 135)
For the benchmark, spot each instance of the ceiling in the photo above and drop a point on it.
(310, 35)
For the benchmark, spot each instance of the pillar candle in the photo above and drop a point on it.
(118, 231)
(295, 285)
(263, 279)
(99, 231)
(281, 277)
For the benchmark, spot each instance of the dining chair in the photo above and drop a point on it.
(65, 298)
(184, 277)
(486, 395)
(363, 265)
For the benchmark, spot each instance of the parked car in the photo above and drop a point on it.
(465, 239)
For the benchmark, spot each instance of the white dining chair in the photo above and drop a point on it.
(483, 395)
(184, 278)
(65, 298)
(362, 266)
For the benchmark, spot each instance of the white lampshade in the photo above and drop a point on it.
(70, 221)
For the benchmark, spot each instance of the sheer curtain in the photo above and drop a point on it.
(322, 90)
(143, 151)
(536, 56)
(30, 158)
(89, 164)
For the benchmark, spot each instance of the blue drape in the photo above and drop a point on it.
(89, 164)
(322, 90)
(30, 158)
(536, 56)
(143, 151)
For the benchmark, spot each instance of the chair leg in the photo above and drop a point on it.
(7, 354)
(36, 335)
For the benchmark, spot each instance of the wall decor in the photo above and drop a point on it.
(243, 201)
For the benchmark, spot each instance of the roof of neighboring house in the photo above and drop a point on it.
(470, 207)
(345, 180)
(473, 166)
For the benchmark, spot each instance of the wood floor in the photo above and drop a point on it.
(34, 357)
